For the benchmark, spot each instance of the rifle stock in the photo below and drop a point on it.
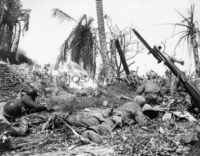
(191, 89)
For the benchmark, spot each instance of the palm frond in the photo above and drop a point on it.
(190, 25)
(89, 22)
(83, 18)
(191, 13)
(64, 50)
(183, 25)
(184, 18)
(182, 37)
(26, 18)
(83, 44)
(178, 33)
(62, 16)
(80, 41)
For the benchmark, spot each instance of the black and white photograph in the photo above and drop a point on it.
(99, 77)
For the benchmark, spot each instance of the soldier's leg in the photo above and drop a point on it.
(2, 114)
(77, 120)
(92, 136)
(94, 133)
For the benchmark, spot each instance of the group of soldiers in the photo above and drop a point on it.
(97, 122)
(105, 121)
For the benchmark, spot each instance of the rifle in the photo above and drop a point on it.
(191, 89)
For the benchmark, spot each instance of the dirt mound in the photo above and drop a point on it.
(13, 78)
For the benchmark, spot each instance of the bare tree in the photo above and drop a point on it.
(128, 43)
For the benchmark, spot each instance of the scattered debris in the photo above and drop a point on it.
(185, 115)
(51, 134)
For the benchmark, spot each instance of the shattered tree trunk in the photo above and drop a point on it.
(16, 41)
(122, 58)
(113, 57)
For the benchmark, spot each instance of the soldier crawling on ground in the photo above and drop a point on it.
(103, 122)
(99, 122)
(151, 90)
(16, 108)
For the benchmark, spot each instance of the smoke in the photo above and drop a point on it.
(21, 57)
(15, 58)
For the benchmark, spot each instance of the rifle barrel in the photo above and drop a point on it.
(192, 90)
(142, 40)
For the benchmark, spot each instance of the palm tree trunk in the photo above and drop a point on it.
(9, 37)
(107, 70)
(113, 57)
(1, 35)
(16, 43)
(1, 15)
(5, 38)
(196, 55)
(2, 10)
(16, 40)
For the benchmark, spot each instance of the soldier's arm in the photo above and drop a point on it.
(31, 103)
(141, 89)
(140, 117)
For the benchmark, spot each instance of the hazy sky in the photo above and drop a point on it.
(46, 34)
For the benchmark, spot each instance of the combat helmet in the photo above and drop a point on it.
(32, 92)
(151, 74)
(152, 87)
(140, 100)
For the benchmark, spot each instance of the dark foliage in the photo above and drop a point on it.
(79, 44)
(22, 58)
(82, 44)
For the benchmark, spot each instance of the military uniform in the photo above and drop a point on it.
(86, 118)
(130, 112)
(102, 121)
(151, 91)
(197, 83)
(193, 107)
(15, 108)
(18, 107)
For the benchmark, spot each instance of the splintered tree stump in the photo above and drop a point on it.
(122, 57)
